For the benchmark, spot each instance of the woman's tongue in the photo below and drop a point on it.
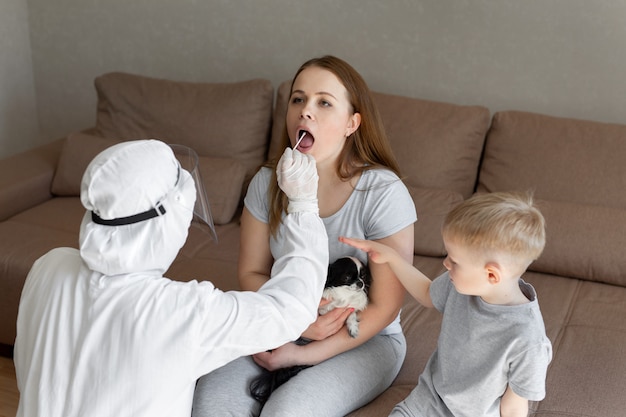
(306, 142)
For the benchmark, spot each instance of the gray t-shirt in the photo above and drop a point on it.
(379, 206)
(482, 349)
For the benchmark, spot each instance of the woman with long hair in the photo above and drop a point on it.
(331, 116)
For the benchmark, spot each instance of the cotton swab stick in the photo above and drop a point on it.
(300, 140)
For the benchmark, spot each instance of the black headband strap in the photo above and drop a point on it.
(123, 221)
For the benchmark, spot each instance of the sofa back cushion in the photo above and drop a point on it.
(78, 151)
(222, 177)
(438, 147)
(220, 120)
(278, 123)
(575, 169)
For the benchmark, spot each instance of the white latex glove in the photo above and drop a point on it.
(297, 177)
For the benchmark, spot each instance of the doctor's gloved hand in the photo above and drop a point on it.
(297, 177)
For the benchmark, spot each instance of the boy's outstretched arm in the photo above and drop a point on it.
(416, 283)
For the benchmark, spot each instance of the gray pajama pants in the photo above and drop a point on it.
(334, 387)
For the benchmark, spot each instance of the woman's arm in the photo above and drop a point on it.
(512, 405)
(255, 258)
(386, 296)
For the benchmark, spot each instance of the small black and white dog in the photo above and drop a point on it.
(347, 285)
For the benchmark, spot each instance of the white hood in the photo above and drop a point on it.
(125, 180)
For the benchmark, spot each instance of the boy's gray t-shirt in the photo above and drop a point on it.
(482, 349)
(379, 206)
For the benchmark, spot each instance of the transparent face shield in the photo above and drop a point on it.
(202, 218)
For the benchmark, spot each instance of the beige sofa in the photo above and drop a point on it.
(446, 152)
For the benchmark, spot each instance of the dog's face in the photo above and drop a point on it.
(348, 271)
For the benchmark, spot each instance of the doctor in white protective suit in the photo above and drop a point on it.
(101, 332)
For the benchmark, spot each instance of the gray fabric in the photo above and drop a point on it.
(482, 348)
(379, 207)
(333, 388)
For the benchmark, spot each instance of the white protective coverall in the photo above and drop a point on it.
(101, 332)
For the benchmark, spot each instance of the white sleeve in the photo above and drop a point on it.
(242, 323)
(300, 268)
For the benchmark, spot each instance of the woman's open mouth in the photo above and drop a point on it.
(305, 140)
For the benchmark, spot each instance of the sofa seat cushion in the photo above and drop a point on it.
(222, 120)
(26, 244)
(25, 178)
(588, 333)
(205, 260)
(223, 177)
(26, 237)
(62, 214)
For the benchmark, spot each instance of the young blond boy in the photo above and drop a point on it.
(492, 354)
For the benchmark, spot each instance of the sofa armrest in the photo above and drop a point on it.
(25, 178)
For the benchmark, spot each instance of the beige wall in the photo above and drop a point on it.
(18, 111)
(560, 57)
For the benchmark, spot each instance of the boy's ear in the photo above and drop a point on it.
(494, 272)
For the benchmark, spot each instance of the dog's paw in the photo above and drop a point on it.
(326, 308)
(353, 325)
(354, 333)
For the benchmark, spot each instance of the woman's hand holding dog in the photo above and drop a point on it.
(291, 354)
(328, 324)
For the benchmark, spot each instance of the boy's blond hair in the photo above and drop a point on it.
(506, 223)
